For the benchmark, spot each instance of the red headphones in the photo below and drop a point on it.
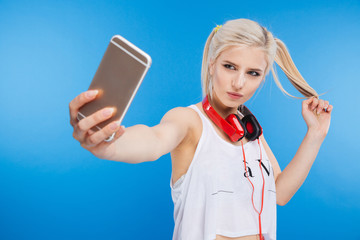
(233, 126)
(236, 129)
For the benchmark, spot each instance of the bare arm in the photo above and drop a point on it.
(293, 176)
(135, 144)
(141, 143)
(295, 173)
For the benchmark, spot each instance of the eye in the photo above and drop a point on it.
(254, 74)
(229, 66)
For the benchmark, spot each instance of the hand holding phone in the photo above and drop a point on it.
(90, 140)
(97, 113)
(117, 79)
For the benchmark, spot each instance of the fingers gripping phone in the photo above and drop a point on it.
(118, 77)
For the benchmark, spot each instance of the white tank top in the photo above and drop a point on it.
(214, 196)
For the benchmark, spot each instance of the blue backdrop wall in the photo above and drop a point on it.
(51, 188)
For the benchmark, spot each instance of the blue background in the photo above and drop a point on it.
(51, 188)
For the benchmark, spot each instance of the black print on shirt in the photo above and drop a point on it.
(267, 170)
(222, 191)
(248, 172)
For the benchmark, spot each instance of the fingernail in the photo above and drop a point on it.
(114, 126)
(91, 93)
(107, 112)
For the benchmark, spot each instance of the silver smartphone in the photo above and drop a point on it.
(118, 77)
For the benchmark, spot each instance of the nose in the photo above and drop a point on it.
(239, 81)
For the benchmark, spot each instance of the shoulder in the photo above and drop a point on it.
(178, 111)
(186, 120)
(183, 116)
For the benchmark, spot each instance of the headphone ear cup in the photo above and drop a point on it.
(234, 121)
(252, 126)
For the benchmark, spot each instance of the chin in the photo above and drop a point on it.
(231, 103)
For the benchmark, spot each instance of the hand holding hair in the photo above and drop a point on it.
(317, 114)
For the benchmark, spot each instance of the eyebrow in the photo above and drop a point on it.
(252, 69)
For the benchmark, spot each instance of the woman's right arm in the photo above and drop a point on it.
(135, 144)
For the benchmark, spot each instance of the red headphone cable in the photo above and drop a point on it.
(253, 189)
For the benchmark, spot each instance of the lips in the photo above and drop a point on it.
(234, 95)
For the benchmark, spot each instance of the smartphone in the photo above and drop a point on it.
(118, 77)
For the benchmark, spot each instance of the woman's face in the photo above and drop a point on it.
(236, 74)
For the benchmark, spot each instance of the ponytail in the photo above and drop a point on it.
(283, 59)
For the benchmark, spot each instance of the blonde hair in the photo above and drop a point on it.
(249, 33)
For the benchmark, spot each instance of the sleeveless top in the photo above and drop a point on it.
(214, 196)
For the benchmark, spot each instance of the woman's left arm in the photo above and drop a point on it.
(292, 177)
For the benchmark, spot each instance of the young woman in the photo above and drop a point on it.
(224, 185)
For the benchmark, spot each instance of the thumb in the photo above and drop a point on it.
(308, 101)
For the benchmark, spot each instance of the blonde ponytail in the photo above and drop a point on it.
(285, 62)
